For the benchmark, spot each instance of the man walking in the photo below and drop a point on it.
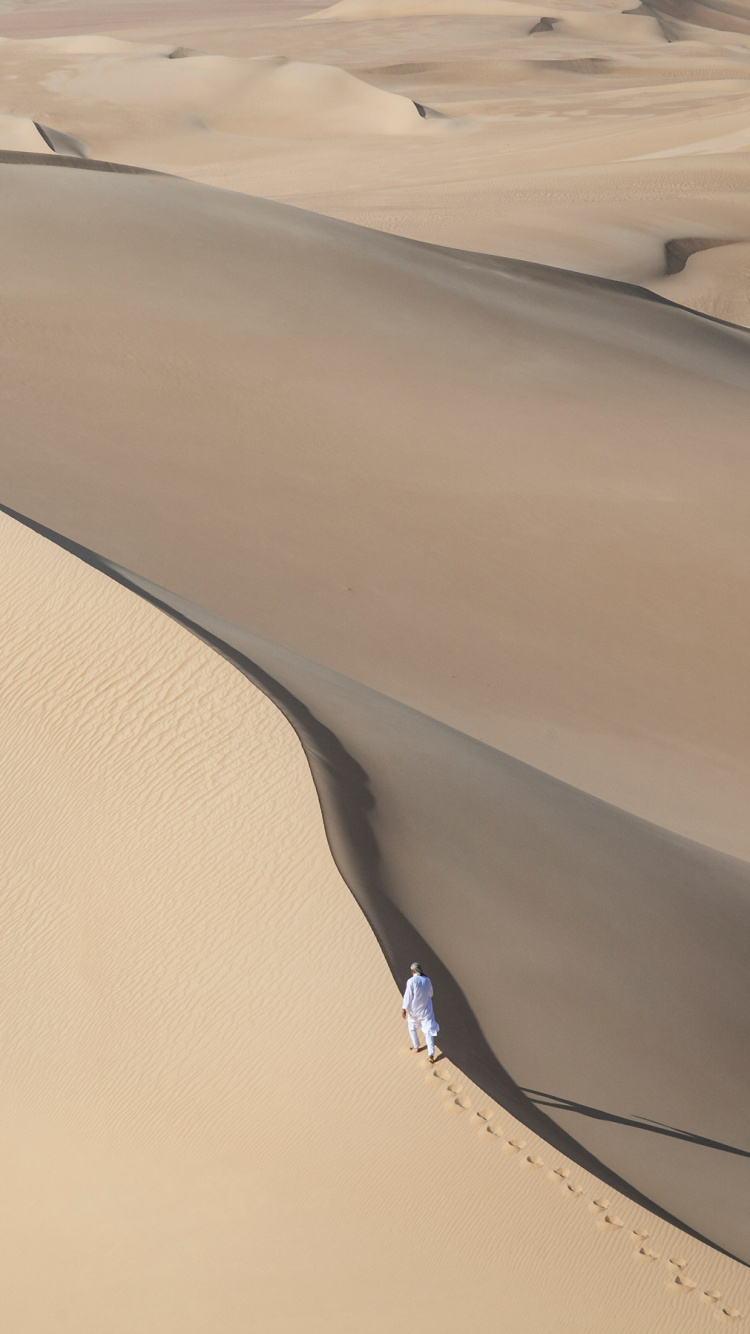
(418, 1010)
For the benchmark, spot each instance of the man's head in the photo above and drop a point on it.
(417, 968)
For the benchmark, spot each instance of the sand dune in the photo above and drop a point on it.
(142, 90)
(614, 220)
(526, 96)
(414, 809)
(204, 440)
(477, 527)
(291, 293)
(92, 44)
(723, 15)
(186, 1129)
(716, 280)
(18, 135)
(610, 27)
(363, 10)
(268, 95)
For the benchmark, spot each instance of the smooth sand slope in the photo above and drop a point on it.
(202, 1128)
(488, 870)
(569, 134)
(376, 453)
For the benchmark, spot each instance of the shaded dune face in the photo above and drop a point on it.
(289, 97)
(186, 1106)
(573, 931)
(18, 135)
(464, 483)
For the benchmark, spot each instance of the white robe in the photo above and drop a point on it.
(418, 1004)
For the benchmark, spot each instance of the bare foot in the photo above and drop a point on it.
(415, 1049)
(433, 1060)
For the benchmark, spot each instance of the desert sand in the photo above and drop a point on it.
(583, 135)
(199, 1131)
(375, 477)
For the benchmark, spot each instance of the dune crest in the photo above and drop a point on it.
(290, 97)
(278, 345)
(92, 44)
(715, 279)
(19, 135)
(380, 594)
(267, 95)
(177, 1134)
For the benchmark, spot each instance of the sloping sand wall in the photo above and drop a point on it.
(210, 1110)
(497, 877)
(233, 393)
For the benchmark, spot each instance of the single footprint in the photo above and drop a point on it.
(514, 1145)
(681, 1283)
(573, 1191)
(490, 1132)
(609, 1223)
(458, 1105)
(728, 1313)
(677, 1264)
(532, 1160)
(599, 1206)
(645, 1254)
(559, 1174)
(480, 1119)
(710, 1296)
(638, 1234)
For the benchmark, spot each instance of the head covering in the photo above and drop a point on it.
(416, 968)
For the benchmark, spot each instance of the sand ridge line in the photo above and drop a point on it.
(497, 1127)
(316, 742)
(215, 317)
(198, 1144)
(11, 158)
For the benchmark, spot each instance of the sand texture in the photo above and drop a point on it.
(375, 514)
(185, 1126)
(180, 451)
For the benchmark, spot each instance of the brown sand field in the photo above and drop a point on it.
(375, 563)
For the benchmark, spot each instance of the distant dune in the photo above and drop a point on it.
(362, 10)
(580, 136)
(19, 135)
(178, 91)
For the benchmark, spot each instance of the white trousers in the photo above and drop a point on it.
(415, 1040)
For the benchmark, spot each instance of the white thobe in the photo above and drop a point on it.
(418, 1004)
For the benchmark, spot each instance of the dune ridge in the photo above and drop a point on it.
(432, 421)
(380, 770)
(516, 97)
(19, 135)
(151, 1080)
(373, 760)
(475, 351)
